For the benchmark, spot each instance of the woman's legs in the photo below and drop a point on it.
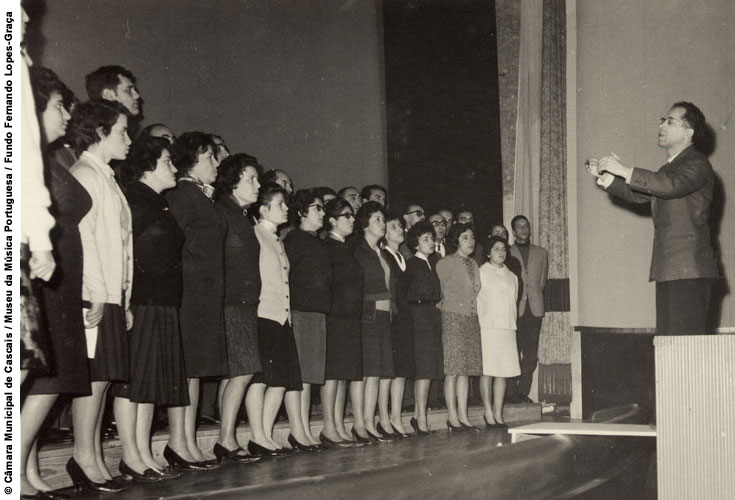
(329, 396)
(421, 395)
(295, 422)
(450, 397)
(463, 391)
(357, 400)
(271, 404)
(498, 396)
(339, 410)
(126, 416)
(384, 404)
(231, 395)
(190, 421)
(306, 413)
(143, 435)
(372, 388)
(486, 395)
(34, 412)
(177, 432)
(397, 387)
(85, 415)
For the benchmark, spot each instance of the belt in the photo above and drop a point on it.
(419, 302)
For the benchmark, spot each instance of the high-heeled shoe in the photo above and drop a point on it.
(392, 435)
(261, 451)
(167, 473)
(469, 427)
(415, 425)
(453, 428)
(380, 438)
(82, 482)
(329, 443)
(225, 455)
(361, 441)
(147, 476)
(301, 447)
(177, 462)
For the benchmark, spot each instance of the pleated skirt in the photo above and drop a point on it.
(157, 373)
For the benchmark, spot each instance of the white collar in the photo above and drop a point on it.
(268, 225)
(336, 236)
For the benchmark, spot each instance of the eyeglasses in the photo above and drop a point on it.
(319, 208)
(439, 223)
(419, 213)
(671, 121)
(349, 215)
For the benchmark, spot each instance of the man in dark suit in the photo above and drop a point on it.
(534, 271)
(680, 193)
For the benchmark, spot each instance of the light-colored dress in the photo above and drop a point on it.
(496, 309)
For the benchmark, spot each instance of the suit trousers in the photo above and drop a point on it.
(527, 338)
(682, 306)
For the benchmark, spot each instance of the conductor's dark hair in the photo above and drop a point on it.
(694, 117)
(105, 77)
(230, 172)
(143, 157)
(186, 149)
(416, 232)
(90, 116)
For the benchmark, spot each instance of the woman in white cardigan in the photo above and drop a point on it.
(496, 308)
(98, 131)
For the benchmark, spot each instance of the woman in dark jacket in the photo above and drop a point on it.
(344, 334)
(202, 302)
(235, 190)
(423, 294)
(157, 375)
(310, 279)
(377, 350)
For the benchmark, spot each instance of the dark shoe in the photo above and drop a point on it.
(361, 441)
(225, 455)
(452, 428)
(384, 433)
(469, 427)
(82, 482)
(167, 473)
(176, 462)
(334, 444)
(119, 482)
(415, 425)
(147, 476)
(380, 438)
(301, 447)
(261, 451)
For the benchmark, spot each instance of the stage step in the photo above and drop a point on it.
(53, 458)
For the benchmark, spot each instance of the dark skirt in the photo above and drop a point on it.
(34, 351)
(157, 372)
(427, 331)
(241, 330)
(201, 319)
(310, 334)
(278, 356)
(403, 345)
(344, 347)
(377, 349)
(111, 360)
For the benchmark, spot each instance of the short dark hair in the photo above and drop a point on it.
(269, 176)
(368, 190)
(492, 240)
(416, 232)
(266, 194)
(230, 172)
(143, 157)
(366, 211)
(391, 215)
(45, 83)
(694, 118)
(89, 116)
(148, 129)
(105, 77)
(323, 191)
(300, 204)
(457, 229)
(333, 208)
(341, 192)
(186, 148)
(516, 219)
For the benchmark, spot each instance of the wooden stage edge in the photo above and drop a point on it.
(53, 458)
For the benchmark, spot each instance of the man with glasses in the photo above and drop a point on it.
(680, 193)
(440, 228)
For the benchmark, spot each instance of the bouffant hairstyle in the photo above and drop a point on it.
(265, 196)
(333, 208)
(457, 229)
(105, 77)
(90, 116)
(492, 240)
(45, 83)
(363, 215)
(230, 172)
(416, 232)
(186, 149)
(143, 157)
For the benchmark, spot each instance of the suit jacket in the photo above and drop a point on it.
(459, 293)
(680, 194)
(534, 276)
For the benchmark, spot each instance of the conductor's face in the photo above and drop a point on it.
(673, 130)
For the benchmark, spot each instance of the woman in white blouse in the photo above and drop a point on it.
(496, 308)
